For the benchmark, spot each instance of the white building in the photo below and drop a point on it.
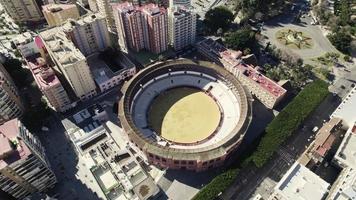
(89, 34)
(115, 167)
(181, 26)
(347, 109)
(344, 187)
(70, 62)
(299, 183)
(109, 74)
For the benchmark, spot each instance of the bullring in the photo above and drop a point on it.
(203, 93)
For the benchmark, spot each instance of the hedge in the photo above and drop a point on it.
(219, 184)
(289, 119)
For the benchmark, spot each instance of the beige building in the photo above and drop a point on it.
(182, 27)
(89, 34)
(57, 14)
(23, 10)
(104, 8)
(70, 62)
(10, 102)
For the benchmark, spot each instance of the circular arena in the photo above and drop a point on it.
(185, 114)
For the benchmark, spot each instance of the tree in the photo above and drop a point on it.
(241, 39)
(344, 12)
(219, 17)
(341, 40)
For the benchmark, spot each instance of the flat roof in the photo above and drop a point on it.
(63, 50)
(9, 132)
(299, 183)
(42, 72)
(345, 187)
(103, 70)
(346, 109)
(346, 154)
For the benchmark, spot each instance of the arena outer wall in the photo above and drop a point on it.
(191, 159)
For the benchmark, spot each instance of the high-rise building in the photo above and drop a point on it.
(130, 27)
(24, 168)
(57, 14)
(89, 34)
(23, 10)
(104, 8)
(156, 19)
(182, 27)
(10, 102)
(93, 6)
(70, 62)
(141, 27)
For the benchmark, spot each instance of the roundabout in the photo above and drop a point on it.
(294, 39)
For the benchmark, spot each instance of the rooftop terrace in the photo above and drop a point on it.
(12, 148)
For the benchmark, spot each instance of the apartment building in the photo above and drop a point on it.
(130, 27)
(182, 27)
(157, 27)
(23, 10)
(10, 102)
(24, 168)
(57, 14)
(266, 90)
(70, 62)
(141, 27)
(104, 7)
(89, 34)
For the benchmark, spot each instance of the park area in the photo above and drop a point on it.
(184, 115)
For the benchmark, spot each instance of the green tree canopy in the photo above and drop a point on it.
(219, 17)
(341, 40)
(241, 39)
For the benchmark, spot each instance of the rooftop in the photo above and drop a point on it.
(108, 64)
(299, 183)
(63, 49)
(346, 154)
(42, 72)
(346, 110)
(71, 23)
(23, 38)
(322, 143)
(84, 123)
(152, 9)
(53, 8)
(12, 148)
(233, 60)
(345, 188)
